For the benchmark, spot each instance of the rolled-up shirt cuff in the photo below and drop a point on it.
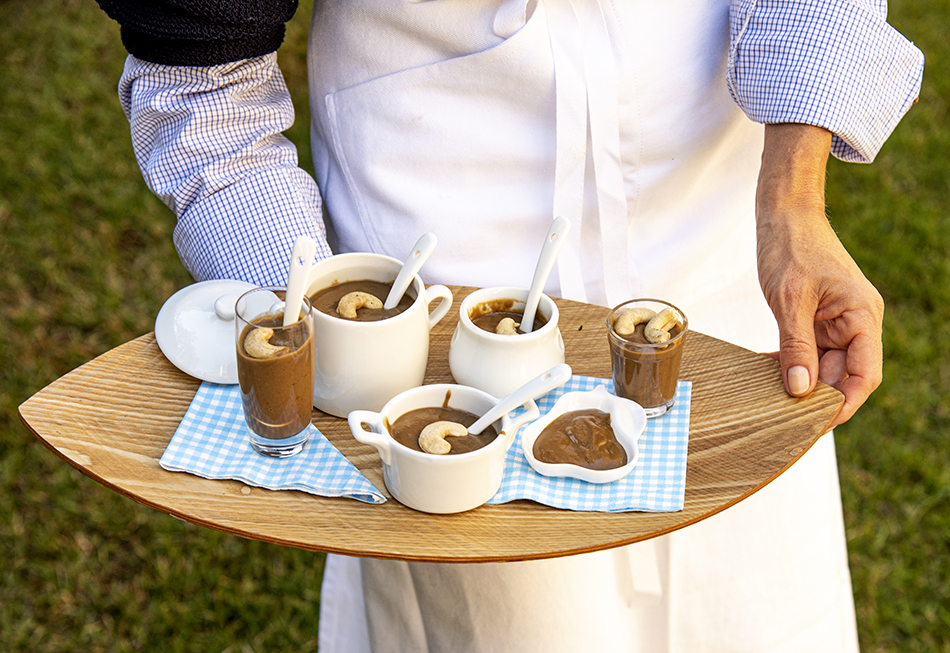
(246, 230)
(209, 143)
(833, 64)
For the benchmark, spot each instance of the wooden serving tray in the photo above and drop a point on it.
(113, 417)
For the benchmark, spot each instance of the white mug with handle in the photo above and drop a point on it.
(362, 365)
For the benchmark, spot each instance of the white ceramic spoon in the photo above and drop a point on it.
(544, 382)
(301, 260)
(549, 251)
(420, 252)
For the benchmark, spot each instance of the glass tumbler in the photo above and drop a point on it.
(275, 371)
(643, 371)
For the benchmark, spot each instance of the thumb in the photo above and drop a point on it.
(798, 354)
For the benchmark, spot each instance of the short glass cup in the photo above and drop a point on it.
(275, 371)
(646, 372)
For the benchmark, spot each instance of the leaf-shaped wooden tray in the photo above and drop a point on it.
(113, 417)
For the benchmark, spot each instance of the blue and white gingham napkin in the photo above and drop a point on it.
(657, 482)
(212, 442)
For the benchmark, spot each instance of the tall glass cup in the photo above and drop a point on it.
(275, 371)
(643, 371)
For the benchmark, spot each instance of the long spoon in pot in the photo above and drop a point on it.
(539, 385)
(420, 252)
(549, 251)
(301, 260)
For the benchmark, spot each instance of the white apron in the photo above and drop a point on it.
(480, 120)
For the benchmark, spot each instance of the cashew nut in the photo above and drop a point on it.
(432, 439)
(350, 302)
(628, 320)
(257, 344)
(507, 327)
(657, 329)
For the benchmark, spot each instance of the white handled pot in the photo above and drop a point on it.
(362, 365)
(439, 484)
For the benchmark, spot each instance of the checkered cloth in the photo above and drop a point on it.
(657, 482)
(212, 442)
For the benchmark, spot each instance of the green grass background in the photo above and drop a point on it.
(86, 261)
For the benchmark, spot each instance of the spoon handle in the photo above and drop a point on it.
(549, 251)
(420, 252)
(544, 382)
(301, 260)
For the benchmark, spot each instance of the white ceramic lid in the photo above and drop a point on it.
(195, 329)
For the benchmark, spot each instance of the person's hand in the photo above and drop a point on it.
(829, 315)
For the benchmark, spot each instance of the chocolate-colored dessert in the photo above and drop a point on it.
(408, 426)
(276, 377)
(487, 315)
(645, 372)
(328, 300)
(580, 437)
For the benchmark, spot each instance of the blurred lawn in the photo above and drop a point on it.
(87, 261)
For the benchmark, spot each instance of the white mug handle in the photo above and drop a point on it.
(438, 292)
(357, 418)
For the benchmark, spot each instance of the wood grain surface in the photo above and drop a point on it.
(113, 417)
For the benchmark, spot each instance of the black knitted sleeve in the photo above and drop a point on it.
(200, 32)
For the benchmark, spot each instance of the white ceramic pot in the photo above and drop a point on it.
(432, 483)
(362, 365)
(499, 364)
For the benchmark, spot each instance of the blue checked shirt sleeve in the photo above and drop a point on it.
(209, 143)
(832, 63)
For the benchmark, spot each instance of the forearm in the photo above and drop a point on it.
(791, 187)
(829, 315)
(791, 223)
(209, 143)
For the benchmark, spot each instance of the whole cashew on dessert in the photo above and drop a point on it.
(658, 325)
(432, 439)
(352, 302)
(507, 327)
(257, 344)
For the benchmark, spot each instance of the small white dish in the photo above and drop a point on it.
(195, 329)
(627, 418)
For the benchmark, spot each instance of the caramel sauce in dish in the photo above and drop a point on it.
(407, 427)
(327, 300)
(487, 315)
(580, 437)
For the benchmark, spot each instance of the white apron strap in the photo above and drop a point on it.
(571, 117)
(585, 75)
(600, 68)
